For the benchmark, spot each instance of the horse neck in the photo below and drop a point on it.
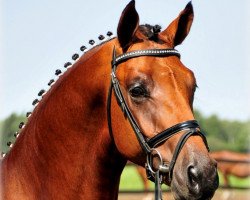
(65, 148)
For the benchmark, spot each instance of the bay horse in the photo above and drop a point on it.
(232, 163)
(83, 130)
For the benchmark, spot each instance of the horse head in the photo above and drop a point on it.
(158, 91)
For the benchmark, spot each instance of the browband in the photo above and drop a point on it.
(148, 52)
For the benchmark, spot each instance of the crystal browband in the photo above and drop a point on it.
(149, 52)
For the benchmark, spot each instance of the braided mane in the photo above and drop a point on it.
(59, 72)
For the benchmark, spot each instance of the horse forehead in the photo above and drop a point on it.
(157, 66)
(148, 44)
(167, 72)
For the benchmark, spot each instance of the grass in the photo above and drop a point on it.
(130, 180)
(236, 182)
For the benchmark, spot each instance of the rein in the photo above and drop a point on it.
(191, 127)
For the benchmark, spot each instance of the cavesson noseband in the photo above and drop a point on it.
(191, 127)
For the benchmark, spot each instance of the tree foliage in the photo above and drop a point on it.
(8, 128)
(225, 134)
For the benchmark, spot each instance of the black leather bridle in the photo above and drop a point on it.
(190, 127)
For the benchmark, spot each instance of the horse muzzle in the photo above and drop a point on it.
(196, 180)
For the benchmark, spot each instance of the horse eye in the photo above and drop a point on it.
(138, 91)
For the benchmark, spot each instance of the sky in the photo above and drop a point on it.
(38, 37)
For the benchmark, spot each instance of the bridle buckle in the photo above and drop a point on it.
(162, 167)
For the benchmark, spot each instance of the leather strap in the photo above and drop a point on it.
(191, 127)
(166, 134)
(180, 144)
(148, 52)
(128, 114)
(158, 192)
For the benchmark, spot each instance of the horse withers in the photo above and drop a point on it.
(73, 147)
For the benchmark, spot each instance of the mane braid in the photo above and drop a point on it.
(58, 73)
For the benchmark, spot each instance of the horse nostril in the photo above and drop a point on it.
(193, 178)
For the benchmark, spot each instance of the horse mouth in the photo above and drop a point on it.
(183, 193)
(180, 195)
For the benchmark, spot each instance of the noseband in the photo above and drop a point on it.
(190, 127)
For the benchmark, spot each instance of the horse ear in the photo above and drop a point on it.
(128, 24)
(177, 31)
